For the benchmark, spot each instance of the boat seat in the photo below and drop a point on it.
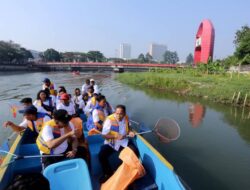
(144, 183)
(95, 142)
(68, 175)
(28, 164)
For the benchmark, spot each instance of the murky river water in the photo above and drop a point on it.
(212, 152)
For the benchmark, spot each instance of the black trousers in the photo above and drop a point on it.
(81, 153)
(106, 151)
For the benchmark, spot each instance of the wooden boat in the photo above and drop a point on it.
(160, 173)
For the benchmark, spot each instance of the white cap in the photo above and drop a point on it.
(92, 80)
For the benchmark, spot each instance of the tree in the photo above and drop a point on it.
(141, 58)
(240, 34)
(95, 56)
(190, 59)
(171, 57)
(243, 46)
(148, 58)
(51, 55)
(12, 53)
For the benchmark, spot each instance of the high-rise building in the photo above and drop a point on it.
(157, 51)
(125, 51)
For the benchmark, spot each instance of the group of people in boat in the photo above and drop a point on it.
(54, 121)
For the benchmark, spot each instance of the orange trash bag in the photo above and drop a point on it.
(77, 122)
(130, 170)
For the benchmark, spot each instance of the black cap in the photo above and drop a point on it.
(62, 115)
(29, 110)
(46, 80)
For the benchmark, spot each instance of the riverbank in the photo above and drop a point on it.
(223, 88)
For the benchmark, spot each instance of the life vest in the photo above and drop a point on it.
(52, 89)
(42, 145)
(77, 122)
(36, 126)
(114, 129)
(101, 115)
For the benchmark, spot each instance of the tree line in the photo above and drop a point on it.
(13, 53)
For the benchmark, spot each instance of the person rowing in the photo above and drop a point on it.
(54, 138)
(33, 122)
(115, 131)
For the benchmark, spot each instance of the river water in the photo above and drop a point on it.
(212, 152)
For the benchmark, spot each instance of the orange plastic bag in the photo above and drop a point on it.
(77, 122)
(94, 131)
(130, 170)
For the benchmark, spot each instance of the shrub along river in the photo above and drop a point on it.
(212, 152)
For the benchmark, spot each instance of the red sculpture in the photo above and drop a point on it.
(204, 42)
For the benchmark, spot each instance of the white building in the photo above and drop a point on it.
(157, 51)
(125, 51)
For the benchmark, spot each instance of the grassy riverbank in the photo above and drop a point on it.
(218, 88)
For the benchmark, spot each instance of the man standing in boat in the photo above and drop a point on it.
(115, 131)
(85, 86)
(96, 89)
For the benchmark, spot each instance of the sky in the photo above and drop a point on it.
(83, 25)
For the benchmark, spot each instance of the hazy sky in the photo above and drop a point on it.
(83, 25)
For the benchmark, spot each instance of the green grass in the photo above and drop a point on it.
(218, 88)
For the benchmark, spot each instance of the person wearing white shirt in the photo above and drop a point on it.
(85, 86)
(54, 136)
(66, 104)
(33, 121)
(44, 100)
(96, 89)
(116, 132)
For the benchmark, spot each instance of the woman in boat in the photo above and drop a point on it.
(115, 131)
(66, 104)
(33, 122)
(55, 136)
(43, 99)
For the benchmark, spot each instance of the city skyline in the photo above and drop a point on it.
(98, 25)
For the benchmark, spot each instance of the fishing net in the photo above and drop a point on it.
(167, 130)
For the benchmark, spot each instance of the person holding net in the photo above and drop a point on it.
(115, 131)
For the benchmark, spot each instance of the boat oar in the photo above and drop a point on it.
(166, 129)
(13, 157)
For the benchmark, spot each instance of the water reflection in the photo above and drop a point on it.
(196, 114)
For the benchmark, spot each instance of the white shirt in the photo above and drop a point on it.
(96, 89)
(70, 108)
(88, 108)
(24, 123)
(40, 108)
(122, 131)
(44, 87)
(77, 99)
(47, 135)
(82, 105)
(96, 116)
(85, 88)
(39, 102)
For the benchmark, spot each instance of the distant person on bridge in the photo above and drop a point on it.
(96, 89)
(85, 86)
